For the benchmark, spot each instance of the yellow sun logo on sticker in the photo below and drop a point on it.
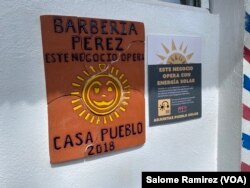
(102, 94)
(175, 55)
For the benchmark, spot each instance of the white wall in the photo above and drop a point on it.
(24, 157)
(230, 82)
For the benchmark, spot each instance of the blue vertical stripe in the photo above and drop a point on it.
(246, 83)
(247, 22)
(246, 141)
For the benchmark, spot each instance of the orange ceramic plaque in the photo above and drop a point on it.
(94, 71)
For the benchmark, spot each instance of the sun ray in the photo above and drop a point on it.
(112, 70)
(181, 46)
(98, 120)
(85, 72)
(185, 50)
(122, 75)
(126, 87)
(92, 68)
(165, 48)
(125, 81)
(104, 120)
(161, 57)
(173, 46)
(82, 113)
(189, 56)
(110, 117)
(75, 93)
(116, 72)
(80, 78)
(125, 97)
(75, 101)
(124, 103)
(87, 116)
(116, 114)
(92, 119)
(122, 109)
(77, 107)
(76, 85)
(126, 92)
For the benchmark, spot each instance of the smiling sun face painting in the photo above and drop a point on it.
(103, 94)
(175, 55)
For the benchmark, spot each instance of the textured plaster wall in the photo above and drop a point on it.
(24, 157)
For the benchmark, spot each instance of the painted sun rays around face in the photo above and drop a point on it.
(175, 55)
(102, 94)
